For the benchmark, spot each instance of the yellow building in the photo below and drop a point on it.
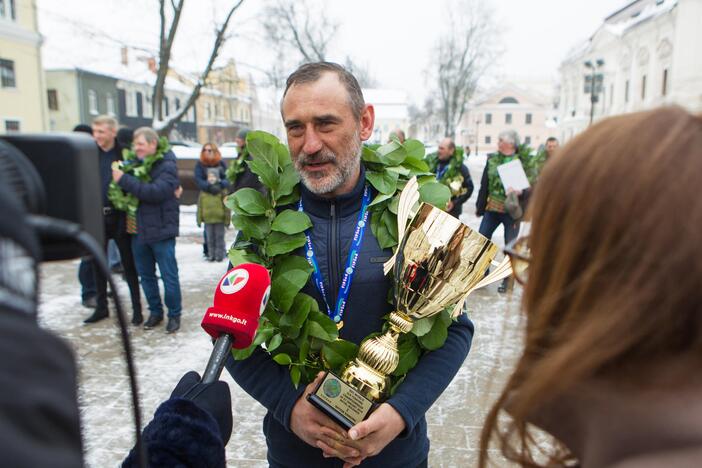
(22, 90)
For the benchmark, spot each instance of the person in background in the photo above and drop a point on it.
(450, 170)
(88, 291)
(397, 134)
(612, 299)
(157, 223)
(239, 174)
(492, 195)
(210, 177)
(104, 132)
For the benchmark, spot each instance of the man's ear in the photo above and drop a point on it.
(367, 121)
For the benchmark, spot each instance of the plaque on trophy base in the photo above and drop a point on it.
(341, 402)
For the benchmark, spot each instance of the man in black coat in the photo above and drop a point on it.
(158, 216)
(104, 133)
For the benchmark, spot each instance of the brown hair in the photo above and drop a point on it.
(311, 72)
(615, 281)
(210, 159)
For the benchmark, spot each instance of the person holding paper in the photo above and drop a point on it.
(493, 192)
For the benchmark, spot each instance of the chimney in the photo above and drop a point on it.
(125, 56)
(152, 64)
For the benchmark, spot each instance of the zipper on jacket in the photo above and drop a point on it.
(333, 258)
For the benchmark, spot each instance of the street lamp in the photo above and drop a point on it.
(593, 83)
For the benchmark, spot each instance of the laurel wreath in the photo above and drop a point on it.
(294, 331)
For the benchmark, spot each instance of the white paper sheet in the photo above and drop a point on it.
(513, 176)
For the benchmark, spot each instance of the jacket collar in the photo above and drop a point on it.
(344, 205)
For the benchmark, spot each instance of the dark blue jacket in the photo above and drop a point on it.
(201, 176)
(158, 213)
(334, 223)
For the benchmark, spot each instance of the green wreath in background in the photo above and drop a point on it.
(294, 330)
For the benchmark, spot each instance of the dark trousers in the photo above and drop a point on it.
(86, 276)
(115, 229)
(215, 241)
(492, 219)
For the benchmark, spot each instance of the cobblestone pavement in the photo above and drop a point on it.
(454, 421)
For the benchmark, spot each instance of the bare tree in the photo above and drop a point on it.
(462, 56)
(164, 124)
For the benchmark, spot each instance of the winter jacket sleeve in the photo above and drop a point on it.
(467, 184)
(481, 202)
(223, 175)
(432, 374)
(159, 189)
(267, 382)
(200, 177)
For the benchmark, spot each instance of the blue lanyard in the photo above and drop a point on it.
(441, 171)
(345, 287)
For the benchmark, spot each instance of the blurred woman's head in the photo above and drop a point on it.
(210, 155)
(615, 277)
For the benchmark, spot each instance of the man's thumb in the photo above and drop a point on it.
(360, 430)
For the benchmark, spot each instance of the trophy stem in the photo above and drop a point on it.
(377, 359)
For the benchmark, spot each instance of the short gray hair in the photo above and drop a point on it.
(311, 72)
(148, 133)
(510, 136)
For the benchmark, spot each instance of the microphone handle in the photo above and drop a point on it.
(222, 347)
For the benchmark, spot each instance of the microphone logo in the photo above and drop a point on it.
(234, 281)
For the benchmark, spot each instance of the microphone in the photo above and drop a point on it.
(239, 300)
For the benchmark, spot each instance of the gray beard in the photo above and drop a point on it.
(341, 171)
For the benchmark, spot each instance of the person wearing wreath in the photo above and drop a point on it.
(448, 166)
(326, 121)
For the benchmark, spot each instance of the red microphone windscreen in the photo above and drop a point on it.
(240, 298)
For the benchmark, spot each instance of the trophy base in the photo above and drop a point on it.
(341, 402)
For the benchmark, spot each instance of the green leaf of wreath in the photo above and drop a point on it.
(282, 359)
(439, 332)
(237, 257)
(337, 353)
(289, 178)
(279, 243)
(322, 327)
(291, 222)
(290, 275)
(257, 227)
(409, 351)
(384, 182)
(435, 194)
(248, 202)
(291, 322)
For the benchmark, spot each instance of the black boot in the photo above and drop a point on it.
(173, 324)
(98, 315)
(137, 318)
(152, 322)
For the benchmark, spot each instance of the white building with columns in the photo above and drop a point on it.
(650, 56)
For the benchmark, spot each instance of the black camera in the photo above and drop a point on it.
(56, 176)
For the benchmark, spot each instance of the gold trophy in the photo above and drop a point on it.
(438, 262)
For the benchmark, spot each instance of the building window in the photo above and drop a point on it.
(208, 111)
(148, 105)
(53, 99)
(527, 120)
(165, 107)
(12, 126)
(664, 86)
(626, 91)
(527, 140)
(7, 74)
(131, 104)
(177, 104)
(8, 9)
(92, 102)
(508, 118)
(643, 87)
(508, 100)
(488, 139)
(110, 104)
(488, 119)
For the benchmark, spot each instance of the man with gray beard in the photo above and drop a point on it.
(327, 120)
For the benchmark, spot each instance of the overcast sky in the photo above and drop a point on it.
(392, 38)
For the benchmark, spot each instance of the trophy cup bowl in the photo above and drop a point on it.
(437, 262)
